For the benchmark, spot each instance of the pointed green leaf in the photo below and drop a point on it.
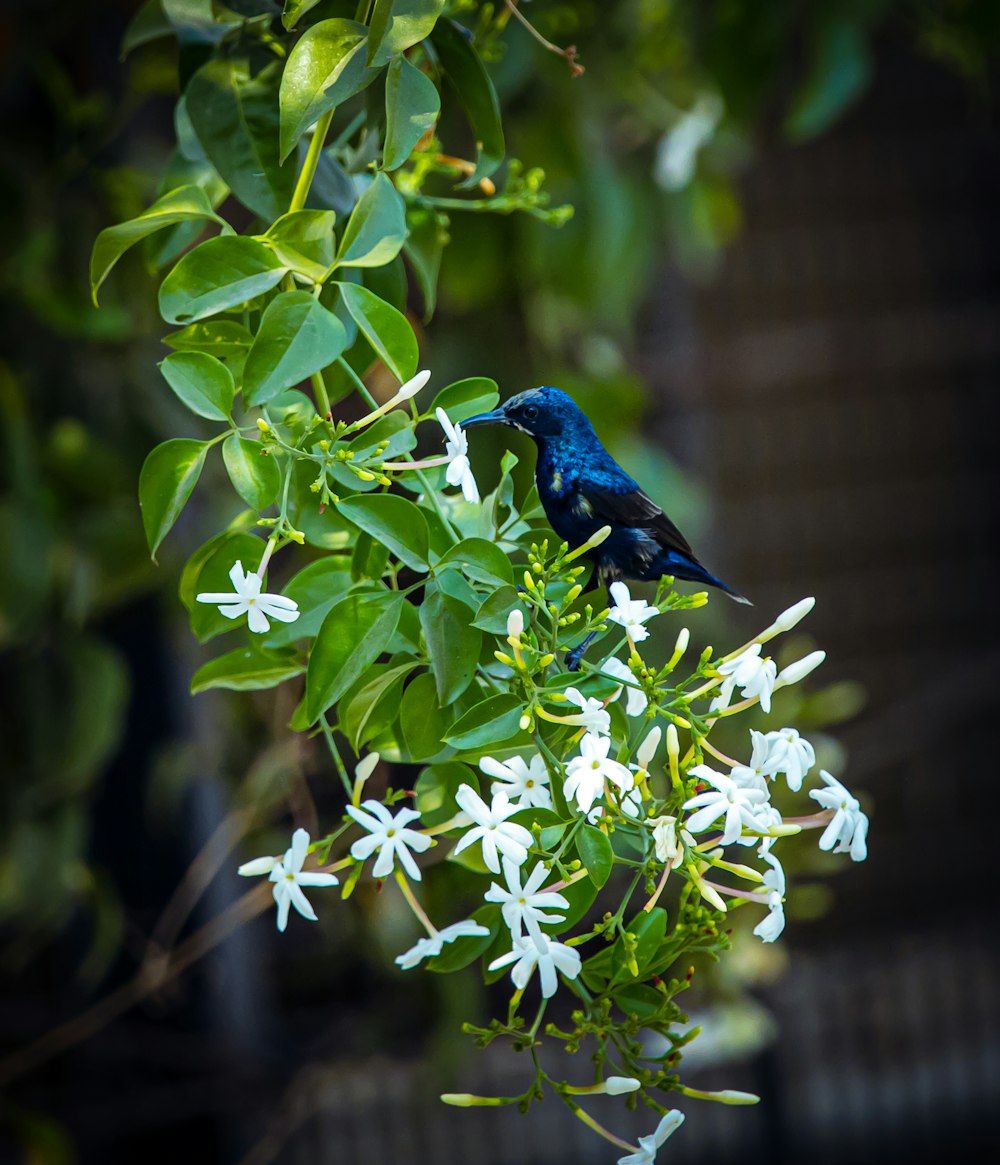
(452, 643)
(422, 721)
(220, 274)
(424, 248)
(492, 615)
(481, 561)
(254, 474)
(294, 10)
(168, 476)
(203, 383)
(297, 337)
(376, 230)
(248, 669)
(315, 588)
(466, 398)
(225, 339)
(395, 522)
(398, 24)
(489, 722)
(385, 328)
(596, 853)
(412, 105)
(467, 74)
(375, 705)
(309, 232)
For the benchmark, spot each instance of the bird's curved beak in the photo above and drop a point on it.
(496, 417)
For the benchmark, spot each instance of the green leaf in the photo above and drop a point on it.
(596, 853)
(294, 10)
(422, 721)
(412, 106)
(315, 588)
(452, 643)
(492, 615)
(424, 248)
(254, 474)
(376, 230)
(354, 634)
(225, 339)
(236, 119)
(385, 328)
(180, 205)
(375, 705)
(396, 25)
(148, 24)
(467, 74)
(201, 382)
(493, 720)
(310, 232)
(640, 1000)
(220, 274)
(393, 521)
(168, 476)
(465, 398)
(840, 72)
(326, 67)
(248, 669)
(297, 337)
(482, 561)
(649, 928)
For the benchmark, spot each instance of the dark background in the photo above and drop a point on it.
(802, 350)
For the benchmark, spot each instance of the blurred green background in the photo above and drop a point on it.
(778, 300)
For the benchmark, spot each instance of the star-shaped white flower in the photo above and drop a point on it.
(632, 614)
(549, 957)
(788, 753)
(287, 875)
(248, 600)
(637, 701)
(457, 448)
(586, 773)
(755, 774)
(592, 715)
(491, 827)
(524, 783)
(740, 806)
(849, 827)
(523, 907)
(427, 948)
(648, 1145)
(774, 883)
(749, 672)
(389, 835)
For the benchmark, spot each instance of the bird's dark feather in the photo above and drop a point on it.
(637, 509)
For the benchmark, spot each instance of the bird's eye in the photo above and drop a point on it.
(529, 412)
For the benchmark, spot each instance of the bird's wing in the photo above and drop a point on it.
(637, 509)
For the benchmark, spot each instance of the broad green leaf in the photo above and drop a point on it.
(310, 233)
(236, 119)
(248, 669)
(220, 274)
(393, 521)
(492, 615)
(596, 853)
(148, 24)
(424, 248)
(354, 634)
(394, 431)
(294, 10)
(493, 720)
(196, 19)
(482, 561)
(396, 25)
(467, 74)
(168, 476)
(466, 398)
(180, 205)
(452, 643)
(385, 328)
(370, 558)
(412, 105)
(639, 999)
(422, 721)
(375, 705)
(254, 474)
(202, 382)
(315, 588)
(840, 72)
(297, 337)
(376, 230)
(225, 339)
(649, 928)
(327, 66)
(436, 787)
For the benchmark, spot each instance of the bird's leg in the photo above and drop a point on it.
(574, 656)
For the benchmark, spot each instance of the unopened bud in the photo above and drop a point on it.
(364, 475)
(366, 767)
(647, 749)
(525, 722)
(800, 669)
(296, 536)
(573, 594)
(617, 1085)
(546, 659)
(503, 657)
(726, 1096)
(795, 614)
(515, 623)
(413, 385)
(529, 581)
(673, 744)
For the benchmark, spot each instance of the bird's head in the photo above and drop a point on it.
(542, 413)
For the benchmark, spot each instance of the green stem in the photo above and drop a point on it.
(335, 753)
(308, 172)
(322, 399)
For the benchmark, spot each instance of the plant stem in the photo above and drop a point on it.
(308, 172)
(322, 399)
(414, 905)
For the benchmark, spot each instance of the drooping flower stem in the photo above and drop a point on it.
(413, 904)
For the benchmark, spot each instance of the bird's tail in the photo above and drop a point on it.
(691, 570)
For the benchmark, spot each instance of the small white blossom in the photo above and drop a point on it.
(739, 805)
(774, 883)
(593, 715)
(389, 835)
(648, 1145)
(288, 878)
(491, 827)
(523, 907)
(632, 614)
(754, 775)
(586, 773)
(665, 841)
(549, 957)
(524, 784)
(788, 753)
(800, 669)
(248, 600)
(637, 701)
(849, 827)
(427, 948)
(752, 674)
(457, 449)
(619, 1085)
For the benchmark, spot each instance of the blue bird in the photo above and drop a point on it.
(583, 488)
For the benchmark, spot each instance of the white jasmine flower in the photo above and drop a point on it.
(748, 671)
(248, 600)
(800, 668)
(619, 1085)
(788, 753)
(549, 957)
(491, 828)
(427, 948)
(637, 701)
(389, 835)
(288, 878)
(631, 613)
(755, 774)
(586, 773)
(767, 819)
(593, 715)
(647, 749)
(524, 784)
(667, 846)
(774, 883)
(457, 449)
(739, 805)
(648, 1145)
(523, 907)
(849, 827)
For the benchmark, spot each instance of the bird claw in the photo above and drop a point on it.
(573, 659)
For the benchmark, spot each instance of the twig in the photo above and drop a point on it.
(568, 53)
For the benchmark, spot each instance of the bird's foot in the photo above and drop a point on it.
(575, 655)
